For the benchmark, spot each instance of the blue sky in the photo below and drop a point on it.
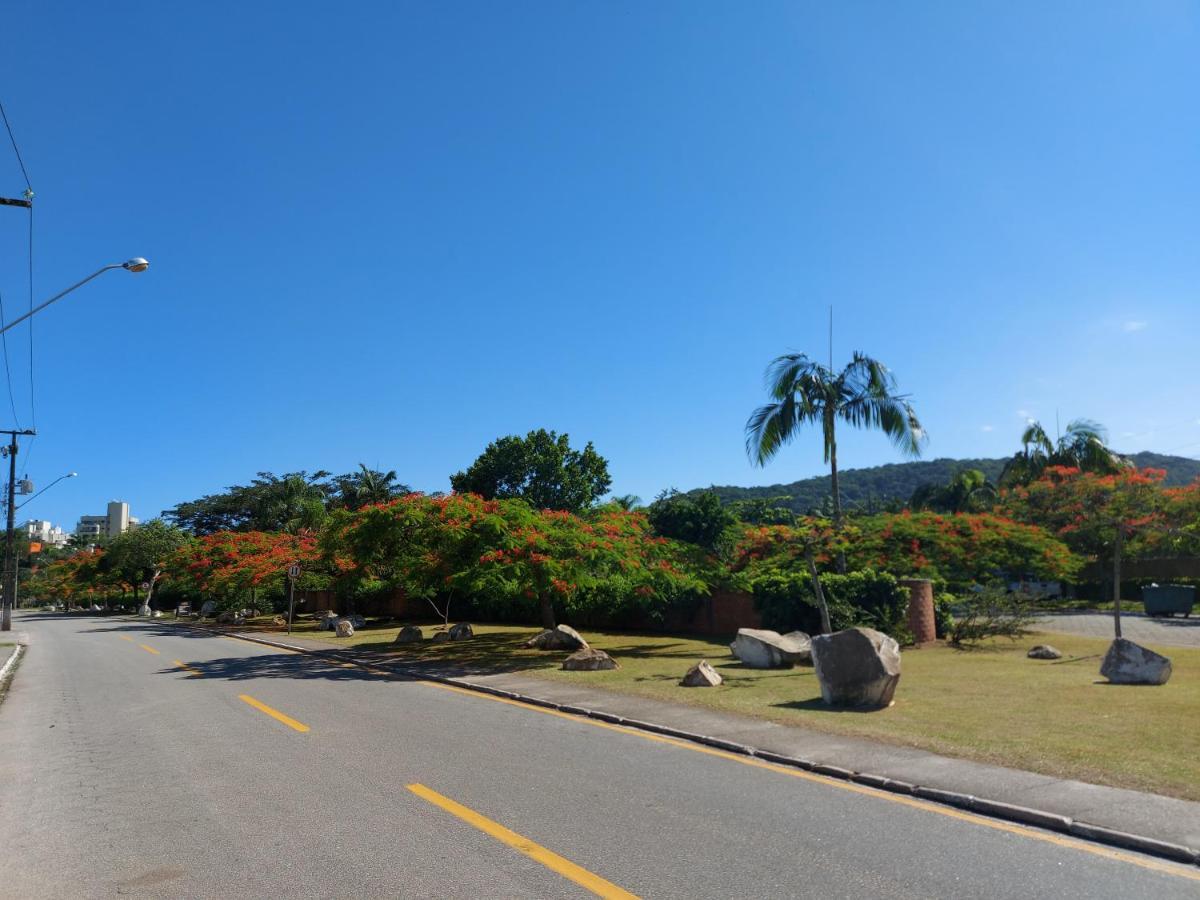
(391, 232)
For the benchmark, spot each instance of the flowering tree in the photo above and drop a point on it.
(1097, 515)
(142, 553)
(232, 564)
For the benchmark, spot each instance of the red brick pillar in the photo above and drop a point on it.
(920, 610)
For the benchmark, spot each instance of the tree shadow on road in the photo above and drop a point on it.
(274, 665)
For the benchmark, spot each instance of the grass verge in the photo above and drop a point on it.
(991, 704)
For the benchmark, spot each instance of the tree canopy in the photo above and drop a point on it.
(541, 469)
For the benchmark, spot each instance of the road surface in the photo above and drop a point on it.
(145, 760)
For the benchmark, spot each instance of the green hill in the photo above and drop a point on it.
(878, 486)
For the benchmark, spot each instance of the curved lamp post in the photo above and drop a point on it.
(47, 487)
(137, 264)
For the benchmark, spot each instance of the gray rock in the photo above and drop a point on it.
(208, 607)
(239, 619)
(702, 675)
(1129, 663)
(357, 621)
(440, 636)
(225, 617)
(344, 628)
(279, 622)
(157, 614)
(410, 634)
(564, 637)
(1043, 651)
(759, 648)
(461, 632)
(328, 621)
(856, 667)
(589, 659)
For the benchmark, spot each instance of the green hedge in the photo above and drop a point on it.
(866, 597)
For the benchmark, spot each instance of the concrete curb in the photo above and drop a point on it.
(980, 805)
(13, 658)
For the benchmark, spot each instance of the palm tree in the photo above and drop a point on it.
(627, 502)
(967, 491)
(805, 392)
(368, 486)
(1081, 447)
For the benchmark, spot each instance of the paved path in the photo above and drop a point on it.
(139, 759)
(1173, 632)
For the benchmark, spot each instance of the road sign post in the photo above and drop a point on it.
(293, 573)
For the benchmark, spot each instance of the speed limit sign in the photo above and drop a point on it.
(293, 571)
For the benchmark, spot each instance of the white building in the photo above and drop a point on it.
(48, 534)
(116, 521)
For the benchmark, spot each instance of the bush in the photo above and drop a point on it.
(943, 613)
(701, 520)
(866, 597)
(991, 612)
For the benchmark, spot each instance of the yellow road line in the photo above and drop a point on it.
(536, 852)
(124, 637)
(148, 649)
(273, 713)
(1177, 869)
(997, 824)
(195, 673)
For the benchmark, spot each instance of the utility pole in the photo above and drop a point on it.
(10, 546)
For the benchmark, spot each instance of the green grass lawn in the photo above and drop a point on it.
(991, 704)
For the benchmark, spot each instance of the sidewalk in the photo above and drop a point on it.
(1146, 822)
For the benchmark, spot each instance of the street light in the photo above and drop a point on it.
(47, 487)
(137, 264)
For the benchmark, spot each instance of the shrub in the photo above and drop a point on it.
(943, 613)
(866, 597)
(988, 613)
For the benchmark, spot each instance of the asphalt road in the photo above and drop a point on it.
(122, 772)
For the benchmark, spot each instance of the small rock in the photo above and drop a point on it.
(157, 614)
(564, 637)
(461, 632)
(279, 622)
(410, 634)
(225, 617)
(328, 622)
(440, 636)
(344, 628)
(758, 648)
(208, 607)
(1043, 651)
(1130, 663)
(357, 621)
(702, 675)
(857, 667)
(589, 659)
(238, 619)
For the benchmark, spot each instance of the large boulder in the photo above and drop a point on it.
(344, 628)
(702, 675)
(758, 648)
(856, 667)
(328, 622)
(1044, 651)
(461, 632)
(226, 617)
(564, 637)
(279, 621)
(440, 637)
(589, 659)
(357, 621)
(410, 634)
(1129, 663)
(208, 607)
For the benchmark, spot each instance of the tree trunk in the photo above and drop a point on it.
(837, 502)
(826, 626)
(1118, 546)
(145, 610)
(547, 610)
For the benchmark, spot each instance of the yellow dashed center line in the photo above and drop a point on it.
(148, 649)
(124, 637)
(273, 713)
(548, 858)
(195, 673)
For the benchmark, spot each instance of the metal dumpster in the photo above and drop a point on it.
(1168, 599)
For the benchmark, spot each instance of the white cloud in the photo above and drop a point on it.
(1023, 414)
(986, 428)
(1134, 325)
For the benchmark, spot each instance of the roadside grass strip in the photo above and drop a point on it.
(548, 858)
(273, 713)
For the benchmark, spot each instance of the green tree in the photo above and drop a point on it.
(140, 554)
(368, 486)
(699, 519)
(804, 392)
(270, 502)
(967, 491)
(1081, 447)
(541, 469)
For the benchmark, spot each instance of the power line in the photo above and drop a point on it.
(16, 149)
(7, 370)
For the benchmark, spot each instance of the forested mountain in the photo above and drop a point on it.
(877, 486)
